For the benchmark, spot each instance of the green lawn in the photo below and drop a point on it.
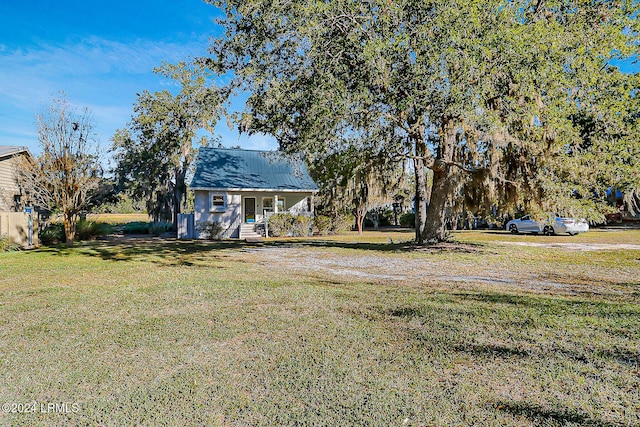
(335, 331)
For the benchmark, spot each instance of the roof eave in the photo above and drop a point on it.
(15, 152)
(270, 190)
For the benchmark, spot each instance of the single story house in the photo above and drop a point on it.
(241, 189)
(11, 197)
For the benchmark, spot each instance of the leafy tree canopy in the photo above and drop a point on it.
(518, 97)
(155, 151)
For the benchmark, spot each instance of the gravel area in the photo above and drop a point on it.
(401, 269)
(579, 246)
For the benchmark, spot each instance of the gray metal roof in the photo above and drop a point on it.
(225, 168)
(8, 150)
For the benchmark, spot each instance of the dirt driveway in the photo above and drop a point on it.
(472, 266)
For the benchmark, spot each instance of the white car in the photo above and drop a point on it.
(527, 224)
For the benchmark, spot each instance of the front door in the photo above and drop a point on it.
(250, 209)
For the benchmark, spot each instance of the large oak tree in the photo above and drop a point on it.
(154, 153)
(492, 93)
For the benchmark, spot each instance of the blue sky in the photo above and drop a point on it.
(100, 53)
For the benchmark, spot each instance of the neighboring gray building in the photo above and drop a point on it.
(240, 189)
(21, 228)
(11, 198)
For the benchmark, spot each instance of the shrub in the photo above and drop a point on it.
(323, 225)
(343, 223)
(6, 246)
(285, 224)
(136, 227)
(210, 229)
(302, 226)
(52, 234)
(382, 215)
(142, 227)
(90, 230)
(335, 224)
(281, 224)
(408, 220)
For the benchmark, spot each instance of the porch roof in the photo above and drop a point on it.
(224, 168)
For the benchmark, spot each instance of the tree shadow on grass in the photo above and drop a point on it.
(158, 245)
(161, 251)
(586, 304)
(551, 416)
(529, 307)
(174, 252)
(406, 312)
(621, 356)
(493, 350)
(594, 357)
(495, 298)
(391, 246)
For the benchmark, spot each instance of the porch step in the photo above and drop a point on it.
(248, 233)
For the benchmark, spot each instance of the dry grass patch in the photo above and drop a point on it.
(118, 218)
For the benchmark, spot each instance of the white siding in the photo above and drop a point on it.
(235, 205)
(203, 210)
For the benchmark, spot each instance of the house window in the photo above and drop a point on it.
(267, 204)
(281, 204)
(217, 202)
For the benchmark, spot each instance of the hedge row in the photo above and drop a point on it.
(286, 224)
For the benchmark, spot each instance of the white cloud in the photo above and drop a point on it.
(260, 142)
(40, 70)
(101, 74)
(231, 137)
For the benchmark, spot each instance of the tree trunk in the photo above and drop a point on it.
(177, 201)
(69, 222)
(420, 198)
(359, 222)
(444, 185)
(417, 136)
(178, 195)
(360, 213)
